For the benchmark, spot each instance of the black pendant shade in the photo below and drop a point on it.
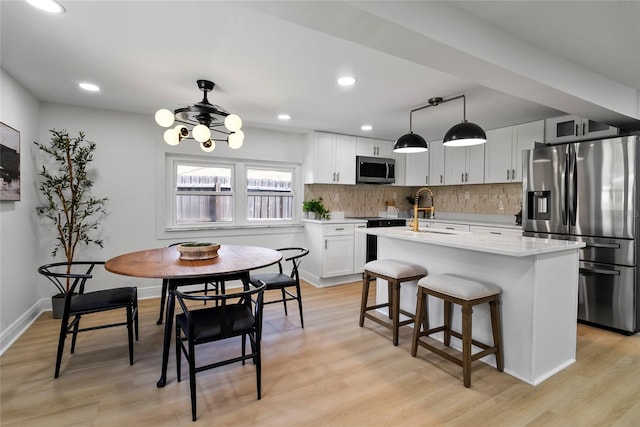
(460, 135)
(464, 134)
(410, 143)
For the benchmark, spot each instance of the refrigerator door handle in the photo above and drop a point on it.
(604, 245)
(572, 188)
(599, 271)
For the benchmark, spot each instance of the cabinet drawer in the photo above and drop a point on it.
(496, 230)
(337, 229)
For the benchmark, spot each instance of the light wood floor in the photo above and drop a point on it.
(332, 373)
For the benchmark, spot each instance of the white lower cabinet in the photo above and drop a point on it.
(331, 249)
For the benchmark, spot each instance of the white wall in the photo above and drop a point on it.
(19, 291)
(127, 168)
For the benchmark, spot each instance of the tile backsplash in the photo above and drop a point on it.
(368, 200)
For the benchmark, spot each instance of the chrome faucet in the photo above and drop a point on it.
(416, 209)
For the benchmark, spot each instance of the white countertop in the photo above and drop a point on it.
(505, 244)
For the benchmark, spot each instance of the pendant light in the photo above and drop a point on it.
(461, 135)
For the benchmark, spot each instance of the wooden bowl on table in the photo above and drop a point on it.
(197, 250)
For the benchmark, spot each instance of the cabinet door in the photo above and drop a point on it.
(591, 129)
(436, 163)
(497, 155)
(474, 173)
(455, 165)
(525, 137)
(337, 257)
(562, 129)
(385, 148)
(359, 249)
(325, 155)
(417, 168)
(345, 160)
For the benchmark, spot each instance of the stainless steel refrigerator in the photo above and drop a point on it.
(587, 191)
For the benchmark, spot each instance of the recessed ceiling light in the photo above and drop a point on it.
(346, 81)
(89, 86)
(284, 116)
(51, 6)
(366, 127)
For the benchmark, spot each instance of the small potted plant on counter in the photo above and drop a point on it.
(315, 209)
(68, 204)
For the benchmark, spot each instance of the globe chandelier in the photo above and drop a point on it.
(199, 120)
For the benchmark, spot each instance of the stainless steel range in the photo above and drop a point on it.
(587, 191)
(376, 222)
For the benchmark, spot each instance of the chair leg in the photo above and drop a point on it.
(258, 362)
(448, 313)
(418, 321)
(163, 298)
(192, 379)
(497, 333)
(63, 336)
(365, 297)
(467, 311)
(130, 331)
(76, 325)
(178, 356)
(284, 301)
(390, 299)
(395, 289)
(299, 296)
(244, 346)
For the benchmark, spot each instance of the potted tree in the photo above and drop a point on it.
(68, 203)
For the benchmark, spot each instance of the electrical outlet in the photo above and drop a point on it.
(466, 195)
(336, 197)
(394, 195)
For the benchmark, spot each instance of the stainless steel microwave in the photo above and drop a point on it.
(375, 170)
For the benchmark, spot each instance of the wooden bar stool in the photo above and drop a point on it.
(466, 293)
(394, 272)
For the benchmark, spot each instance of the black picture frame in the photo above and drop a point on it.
(9, 163)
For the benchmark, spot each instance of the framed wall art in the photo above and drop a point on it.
(9, 163)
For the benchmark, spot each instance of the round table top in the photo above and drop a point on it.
(165, 263)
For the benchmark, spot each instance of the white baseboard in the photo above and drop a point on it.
(17, 328)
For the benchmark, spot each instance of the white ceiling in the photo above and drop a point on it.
(516, 61)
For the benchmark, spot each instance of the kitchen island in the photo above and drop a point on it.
(539, 281)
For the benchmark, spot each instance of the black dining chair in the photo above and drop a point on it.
(282, 281)
(216, 287)
(78, 302)
(236, 315)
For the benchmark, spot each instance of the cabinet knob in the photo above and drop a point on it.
(507, 174)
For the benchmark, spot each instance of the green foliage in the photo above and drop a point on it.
(316, 205)
(66, 189)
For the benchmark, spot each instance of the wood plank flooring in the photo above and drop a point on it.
(332, 373)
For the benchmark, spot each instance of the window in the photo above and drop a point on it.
(214, 193)
(203, 194)
(269, 194)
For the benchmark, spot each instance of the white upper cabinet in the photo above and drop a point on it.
(331, 159)
(525, 137)
(464, 165)
(503, 151)
(417, 168)
(374, 148)
(574, 128)
(436, 163)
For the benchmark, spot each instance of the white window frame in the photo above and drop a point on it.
(239, 192)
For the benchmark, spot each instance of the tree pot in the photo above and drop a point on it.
(57, 305)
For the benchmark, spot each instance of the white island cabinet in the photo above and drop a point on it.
(539, 281)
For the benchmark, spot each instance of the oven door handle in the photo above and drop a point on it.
(604, 245)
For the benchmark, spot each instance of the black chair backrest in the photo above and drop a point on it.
(294, 255)
(65, 270)
(246, 297)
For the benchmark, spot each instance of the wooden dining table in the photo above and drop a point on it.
(234, 262)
